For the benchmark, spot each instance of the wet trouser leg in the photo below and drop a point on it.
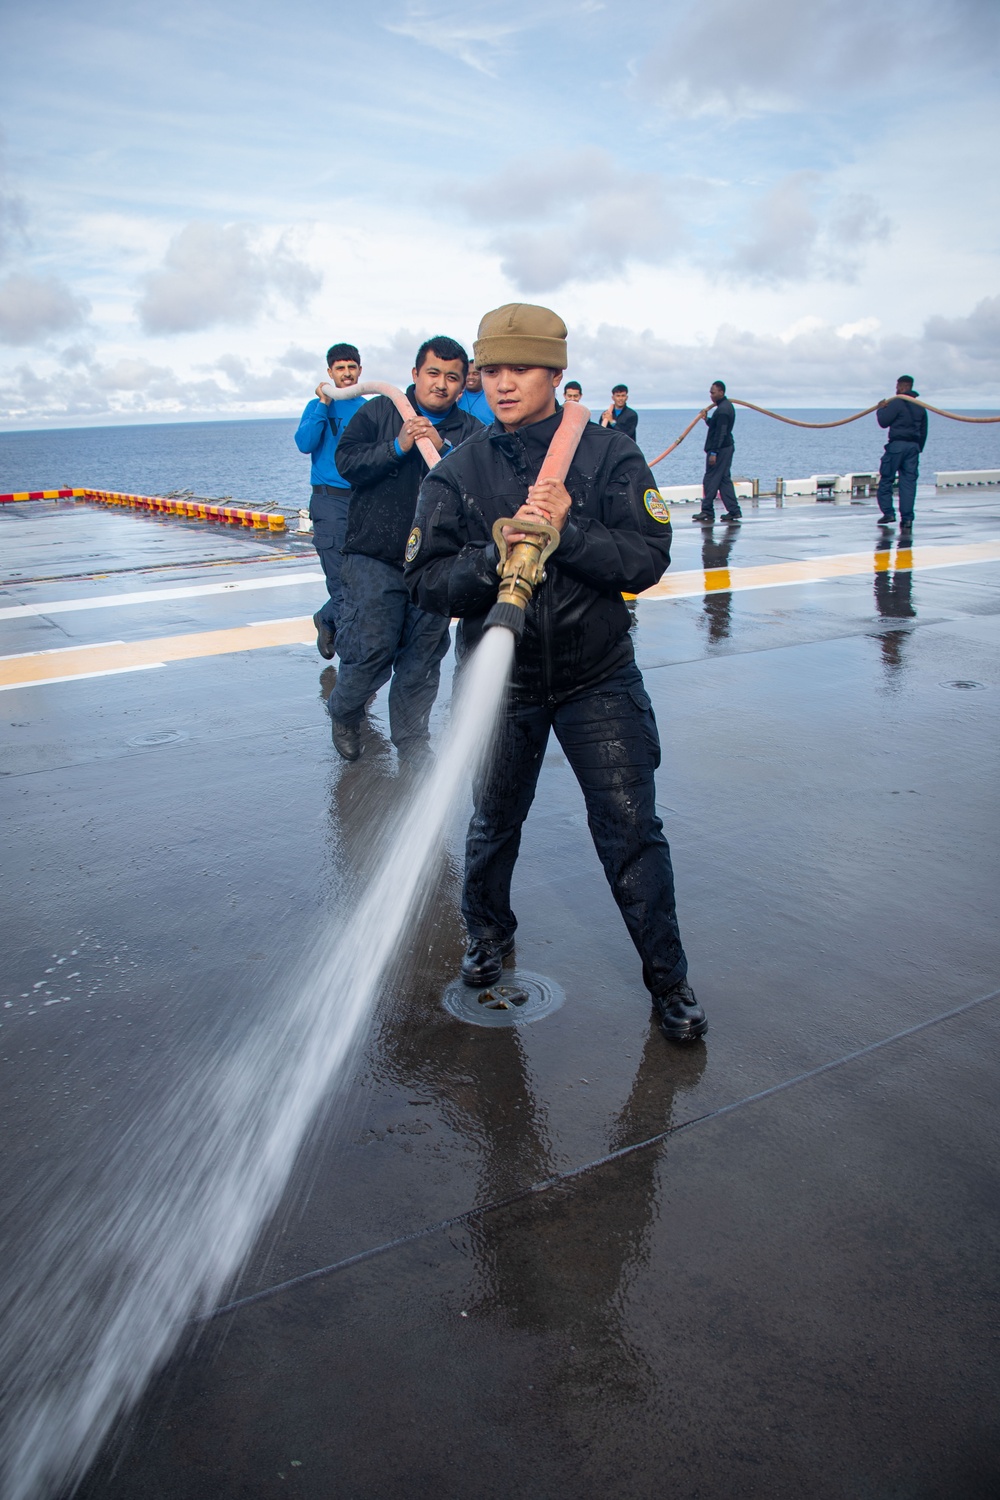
(502, 796)
(609, 737)
(718, 483)
(909, 464)
(383, 634)
(328, 509)
(900, 458)
(373, 615)
(416, 674)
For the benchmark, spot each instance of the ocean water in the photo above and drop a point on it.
(257, 461)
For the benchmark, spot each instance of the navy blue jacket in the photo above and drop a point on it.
(906, 423)
(720, 427)
(625, 421)
(385, 483)
(616, 538)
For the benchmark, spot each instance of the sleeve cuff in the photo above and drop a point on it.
(397, 449)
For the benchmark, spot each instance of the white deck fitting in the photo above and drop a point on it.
(952, 478)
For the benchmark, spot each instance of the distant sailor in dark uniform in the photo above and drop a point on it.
(619, 414)
(719, 447)
(907, 426)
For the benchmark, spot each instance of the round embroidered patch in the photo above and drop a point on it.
(654, 503)
(412, 544)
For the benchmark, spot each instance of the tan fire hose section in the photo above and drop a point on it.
(840, 422)
(382, 388)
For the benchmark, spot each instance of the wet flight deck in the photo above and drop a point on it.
(561, 1259)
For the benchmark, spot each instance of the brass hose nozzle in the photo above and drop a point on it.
(521, 569)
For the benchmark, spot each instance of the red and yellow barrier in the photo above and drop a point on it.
(192, 510)
(41, 495)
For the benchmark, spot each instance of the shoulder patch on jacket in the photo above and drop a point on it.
(655, 504)
(412, 544)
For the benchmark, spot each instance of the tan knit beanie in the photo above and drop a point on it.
(520, 334)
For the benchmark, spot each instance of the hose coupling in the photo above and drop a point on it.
(521, 569)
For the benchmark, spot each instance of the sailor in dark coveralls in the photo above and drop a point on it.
(907, 426)
(575, 669)
(719, 450)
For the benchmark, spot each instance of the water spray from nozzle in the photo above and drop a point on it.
(522, 566)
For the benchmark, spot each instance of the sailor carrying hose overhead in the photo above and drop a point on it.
(907, 424)
(574, 668)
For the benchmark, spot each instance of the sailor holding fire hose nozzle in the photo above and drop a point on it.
(574, 668)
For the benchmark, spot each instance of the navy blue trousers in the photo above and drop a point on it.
(381, 634)
(718, 483)
(900, 458)
(609, 737)
(328, 508)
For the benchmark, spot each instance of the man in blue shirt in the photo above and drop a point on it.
(473, 398)
(318, 434)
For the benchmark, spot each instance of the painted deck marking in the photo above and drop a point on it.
(93, 661)
(69, 662)
(818, 569)
(152, 596)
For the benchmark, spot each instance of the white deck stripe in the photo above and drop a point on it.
(141, 666)
(152, 596)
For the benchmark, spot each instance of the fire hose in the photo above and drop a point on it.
(840, 422)
(522, 566)
(427, 449)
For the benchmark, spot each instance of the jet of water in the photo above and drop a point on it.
(119, 1269)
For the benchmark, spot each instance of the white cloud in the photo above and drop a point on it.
(563, 216)
(458, 34)
(34, 307)
(214, 274)
(780, 55)
(788, 240)
(861, 326)
(811, 361)
(13, 210)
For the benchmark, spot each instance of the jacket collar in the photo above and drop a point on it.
(450, 418)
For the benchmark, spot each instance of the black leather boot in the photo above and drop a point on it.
(325, 638)
(483, 961)
(681, 1017)
(347, 739)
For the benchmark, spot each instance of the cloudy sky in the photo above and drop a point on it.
(197, 198)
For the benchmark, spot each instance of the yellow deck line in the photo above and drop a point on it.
(688, 585)
(86, 661)
(68, 662)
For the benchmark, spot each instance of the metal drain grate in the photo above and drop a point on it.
(518, 999)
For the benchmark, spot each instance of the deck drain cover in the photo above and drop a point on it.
(518, 998)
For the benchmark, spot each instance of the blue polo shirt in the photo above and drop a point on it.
(318, 433)
(476, 404)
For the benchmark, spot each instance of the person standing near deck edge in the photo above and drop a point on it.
(382, 634)
(574, 669)
(907, 426)
(719, 450)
